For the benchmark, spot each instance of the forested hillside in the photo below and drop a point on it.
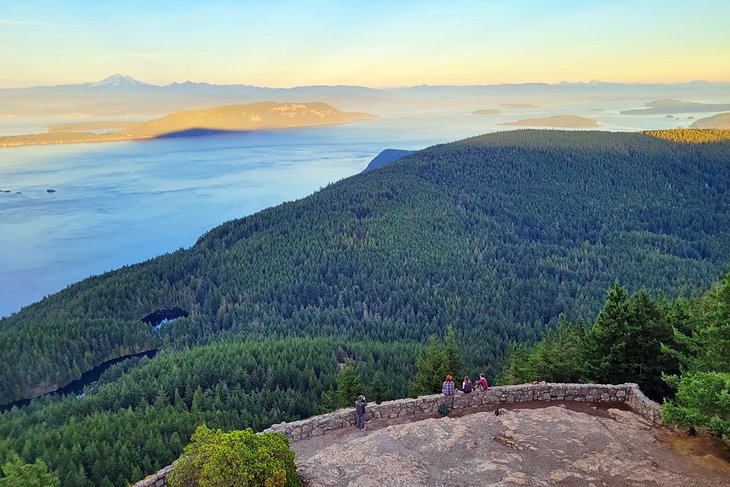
(495, 235)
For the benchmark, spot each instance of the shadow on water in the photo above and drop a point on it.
(196, 132)
(77, 387)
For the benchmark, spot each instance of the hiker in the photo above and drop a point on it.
(448, 387)
(466, 385)
(360, 412)
(482, 383)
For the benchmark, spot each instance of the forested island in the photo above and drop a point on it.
(671, 106)
(496, 236)
(487, 111)
(232, 118)
(557, 121)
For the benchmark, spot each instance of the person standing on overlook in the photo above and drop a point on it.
(360, 412)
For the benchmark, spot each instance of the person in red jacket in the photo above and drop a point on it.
(482, 383)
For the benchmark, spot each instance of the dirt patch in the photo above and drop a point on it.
(701, 449)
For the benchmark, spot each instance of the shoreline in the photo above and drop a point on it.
(7, 142)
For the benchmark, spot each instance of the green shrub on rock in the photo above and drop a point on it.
(17, 473)
(239, 458)
(702, 400)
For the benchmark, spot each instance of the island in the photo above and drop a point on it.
(719, 121)
(519, 105)
(487, 111)
(664, 106)
(559, 121)
(232, 118)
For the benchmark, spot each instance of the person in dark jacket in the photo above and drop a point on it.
(466, 385)
(360, 412)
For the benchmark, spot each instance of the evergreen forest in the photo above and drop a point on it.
(501, 239)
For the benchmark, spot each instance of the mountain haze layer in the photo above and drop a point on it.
(121, 95)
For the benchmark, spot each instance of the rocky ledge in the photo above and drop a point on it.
(547, 434)
(572, 444)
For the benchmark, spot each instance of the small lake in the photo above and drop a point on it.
(77, 387)
(119, 203)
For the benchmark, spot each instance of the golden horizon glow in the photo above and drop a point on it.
(378, 44)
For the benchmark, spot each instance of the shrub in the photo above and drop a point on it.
(17, 473)
(240, 458)
(702, 400)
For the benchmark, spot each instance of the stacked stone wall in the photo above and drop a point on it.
(426, 406)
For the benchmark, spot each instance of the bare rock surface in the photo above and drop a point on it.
(545, 446)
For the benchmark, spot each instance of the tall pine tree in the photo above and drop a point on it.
(608, 341)
(349, 386)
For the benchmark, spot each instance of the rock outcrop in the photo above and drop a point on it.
(545, 434)
(554, 445)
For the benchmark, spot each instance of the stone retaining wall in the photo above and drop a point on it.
(427, 406)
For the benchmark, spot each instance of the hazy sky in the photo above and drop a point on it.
(373, 43)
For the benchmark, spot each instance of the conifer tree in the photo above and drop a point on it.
(707, 344)
(349, 386)
(703, 390)
(376, 390)
(517, 370)
(607, 344)
(454, 360)
(432, 367)
(647, 328)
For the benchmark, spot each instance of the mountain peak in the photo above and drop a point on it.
(117, 80)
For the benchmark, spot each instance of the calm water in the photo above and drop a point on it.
(122, 203)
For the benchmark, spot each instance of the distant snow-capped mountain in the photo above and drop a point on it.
(116, 80)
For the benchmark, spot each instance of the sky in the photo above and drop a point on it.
(368, 43)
